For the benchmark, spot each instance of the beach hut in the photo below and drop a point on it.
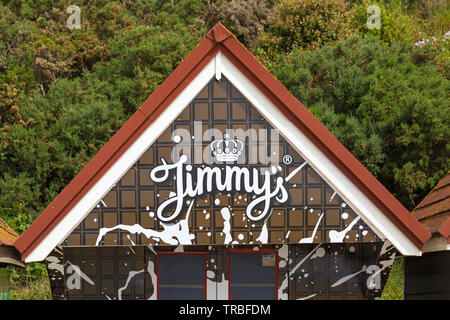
(222, 185)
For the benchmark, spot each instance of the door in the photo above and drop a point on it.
(181, 275)
(253, 275)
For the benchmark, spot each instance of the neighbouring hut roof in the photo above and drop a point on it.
(8, 253)
(434, 210)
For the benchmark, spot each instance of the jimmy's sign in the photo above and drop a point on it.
(192, 182)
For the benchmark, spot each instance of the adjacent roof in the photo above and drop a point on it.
(8, 254)
(7, 234)
(220, 39)
(434, 210)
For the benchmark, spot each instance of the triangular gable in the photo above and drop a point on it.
(133, 213)
(220, 53)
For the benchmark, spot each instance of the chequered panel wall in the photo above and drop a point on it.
(339, 271)
(135, 198)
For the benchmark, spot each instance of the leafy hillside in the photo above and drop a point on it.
(384, 93)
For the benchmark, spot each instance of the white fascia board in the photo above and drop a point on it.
(359, 202)
(121, 166)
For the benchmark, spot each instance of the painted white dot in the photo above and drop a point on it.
(364, 232)
(177, 139)
(344, 215)
(241, 236)
(216, 202)
(351, 249)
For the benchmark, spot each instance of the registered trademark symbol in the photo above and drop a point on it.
(287, 159)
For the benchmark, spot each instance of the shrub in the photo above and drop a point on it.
(306, 24)
(390, 109)
(246, 19)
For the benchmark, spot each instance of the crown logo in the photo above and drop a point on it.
(227, 149)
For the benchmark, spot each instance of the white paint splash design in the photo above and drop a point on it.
(293, 173)
(334, 194)
(264, 235)
(320, 252)
(131, 275)
(336, 236)
(222, 289)
(226, 224)
(374, 281)
(308, 297)
(74, 277)
(348, 277)
(311, 239)
(153, 278)
(284, 284)
(55, 264)
(174, 234)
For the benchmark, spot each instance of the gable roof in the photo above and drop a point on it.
(8, 254)
(434, 210)
(219, 42)
(7, 234)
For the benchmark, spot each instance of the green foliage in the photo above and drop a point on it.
(388, 108)
(305, 24)
(245, 18)
(396, 23)
(393, 290)
(30, 283)
(64, 93)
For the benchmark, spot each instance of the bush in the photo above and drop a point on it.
(390, 109)
(395, 23)
(245, 18)
(305, 24)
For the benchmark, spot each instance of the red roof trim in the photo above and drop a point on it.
(444, 230)
(219, 38)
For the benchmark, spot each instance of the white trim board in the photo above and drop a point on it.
(218, 66)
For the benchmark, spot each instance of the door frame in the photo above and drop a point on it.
(189, 252)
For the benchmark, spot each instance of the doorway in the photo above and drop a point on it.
(181, 275)
(253, 274)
